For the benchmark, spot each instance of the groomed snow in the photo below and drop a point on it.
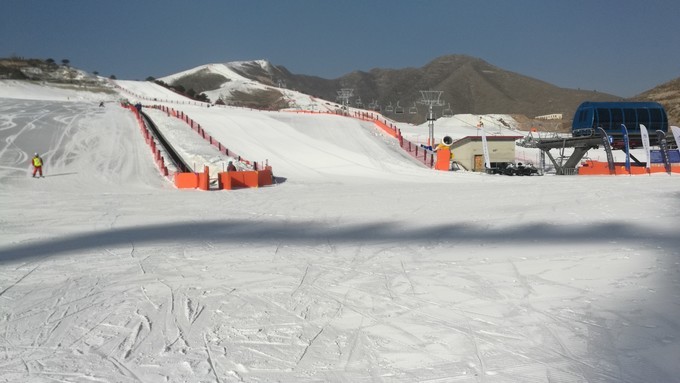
(361, 266)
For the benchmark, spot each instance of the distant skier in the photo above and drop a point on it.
(37, 165)
(101, 104)
(231, 167)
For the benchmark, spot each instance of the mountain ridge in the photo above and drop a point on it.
(468, 85)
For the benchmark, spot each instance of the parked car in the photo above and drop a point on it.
(525, 170)
(510, 169)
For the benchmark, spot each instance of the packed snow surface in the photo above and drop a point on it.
(358, 266)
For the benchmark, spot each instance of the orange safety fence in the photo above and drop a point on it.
(186, 180)
(419, 152)
(591, 167)
(148, 137)
(195, 126)
(225, 180)
(245, 179)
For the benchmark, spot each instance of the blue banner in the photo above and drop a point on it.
(657, 156)
(626, 146)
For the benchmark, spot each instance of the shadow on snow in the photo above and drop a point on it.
(313, 233)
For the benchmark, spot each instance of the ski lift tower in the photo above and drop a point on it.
(431, 99)
(344, 95)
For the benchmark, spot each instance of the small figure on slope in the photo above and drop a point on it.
(231, 167)
(37, 165)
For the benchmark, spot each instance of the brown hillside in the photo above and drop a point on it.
(668, 95)
(468, 85)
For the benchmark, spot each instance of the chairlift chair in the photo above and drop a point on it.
(358, 102)
(399, 109)
(447, 112)
(389, 108)
(413, 109)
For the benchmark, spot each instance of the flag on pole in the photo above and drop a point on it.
(676, 135)
(608, 149)
(645, 143)
(626, 144)
(485, 148)
(661, 138)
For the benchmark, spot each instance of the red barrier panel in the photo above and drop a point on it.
(602, 168)
(234, 180)
(186, 180)
(264, 177)
(250, 178)
(204, 179)
(245, 179)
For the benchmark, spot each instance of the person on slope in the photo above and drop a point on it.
(231, 167)
(37, 165)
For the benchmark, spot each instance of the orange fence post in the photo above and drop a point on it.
(204, 179)
(224, 181)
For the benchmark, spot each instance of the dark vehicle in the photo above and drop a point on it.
(510, 169)
(610, 115)
(497, 168)
(525, 170)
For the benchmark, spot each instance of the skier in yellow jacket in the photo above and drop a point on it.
(37, 165)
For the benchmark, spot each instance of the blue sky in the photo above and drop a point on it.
(623, 47)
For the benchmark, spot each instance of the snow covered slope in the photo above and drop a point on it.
(231, 80)
(230, 72)
(362, 267)
(308, 147)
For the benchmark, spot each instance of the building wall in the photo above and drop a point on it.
(554, 116)
(499, 151)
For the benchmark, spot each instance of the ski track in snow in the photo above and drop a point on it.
(107, 273)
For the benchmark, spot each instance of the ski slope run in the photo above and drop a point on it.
(300, 147)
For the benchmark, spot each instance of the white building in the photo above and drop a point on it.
(554, 116)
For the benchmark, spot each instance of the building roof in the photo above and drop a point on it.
(468, 139)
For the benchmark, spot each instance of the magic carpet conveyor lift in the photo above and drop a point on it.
(610, 124)
(172, 153)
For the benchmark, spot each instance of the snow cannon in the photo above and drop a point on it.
(444, 154)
